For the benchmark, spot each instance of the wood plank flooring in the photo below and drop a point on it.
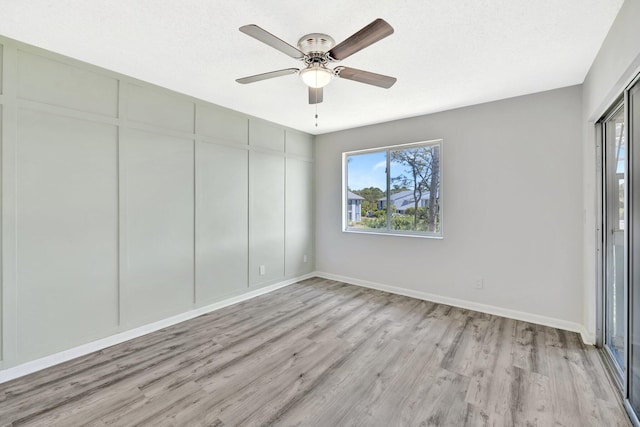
(324, 353)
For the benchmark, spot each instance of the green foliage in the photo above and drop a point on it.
(378, 222)
(402, 222)
(398, 222)
(370, 194)
(368, 206)
(423, 213)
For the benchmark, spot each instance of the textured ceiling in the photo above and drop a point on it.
(444, 53)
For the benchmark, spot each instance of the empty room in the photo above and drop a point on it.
(373, 213)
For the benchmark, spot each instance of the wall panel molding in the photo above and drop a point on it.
(178, 202)
(45, 79)
(158, 226)
(1, 54)
(222, 215)
(66, 232)
(9, 220)
(26, 104)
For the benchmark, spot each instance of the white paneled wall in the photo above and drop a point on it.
(157, 228)
(124, 203)
(299, 236)
(222, 215)
(49, 81)
(266, 217)
(1, 69)
(67, 231)
(167, 111)
(2, 295)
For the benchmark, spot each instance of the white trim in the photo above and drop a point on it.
(398, 233)
(437, 141)
(72, 353)
(587, 338)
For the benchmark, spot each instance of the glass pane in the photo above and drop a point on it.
(634, 335)
(415, 189)
(366, 195)
(615, 149)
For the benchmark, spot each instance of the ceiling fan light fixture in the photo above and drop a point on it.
(316, 76)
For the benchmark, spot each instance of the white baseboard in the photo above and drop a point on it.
(587, 338)
(72, 353)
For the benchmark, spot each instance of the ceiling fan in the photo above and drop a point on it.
(317, 50)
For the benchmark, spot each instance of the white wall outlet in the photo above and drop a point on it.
(305, 258)
(479, 283)
(262, 270)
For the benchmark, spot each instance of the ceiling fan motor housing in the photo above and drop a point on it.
(315, 43)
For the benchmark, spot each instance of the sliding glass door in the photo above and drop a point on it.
(633, 117)
(615, 189)
(620, 338)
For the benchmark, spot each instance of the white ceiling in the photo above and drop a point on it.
(444, 53)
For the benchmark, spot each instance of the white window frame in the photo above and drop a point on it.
(388, 231)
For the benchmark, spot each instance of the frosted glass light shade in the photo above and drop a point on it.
(316, 76)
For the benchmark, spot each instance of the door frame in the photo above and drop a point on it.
(602, 238)
(629, 243)
(601, 231)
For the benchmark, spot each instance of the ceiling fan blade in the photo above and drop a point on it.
(367, 36)
(265, 76)
(367, 77)
(271, 40)
(315, 95)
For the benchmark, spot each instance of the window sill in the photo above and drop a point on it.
(393, 233)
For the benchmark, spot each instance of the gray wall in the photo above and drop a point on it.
(512, 190)
(616, 64)
(124, 203)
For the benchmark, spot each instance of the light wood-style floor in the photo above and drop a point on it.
(323, 353)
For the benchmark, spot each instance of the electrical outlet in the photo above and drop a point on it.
(479, 283)
(305, 258)
(263, 270)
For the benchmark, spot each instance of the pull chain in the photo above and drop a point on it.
(316, 94)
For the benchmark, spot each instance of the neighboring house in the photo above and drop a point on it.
(354, 207)
(404, 200)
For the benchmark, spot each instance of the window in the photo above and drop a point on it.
(394, 190)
